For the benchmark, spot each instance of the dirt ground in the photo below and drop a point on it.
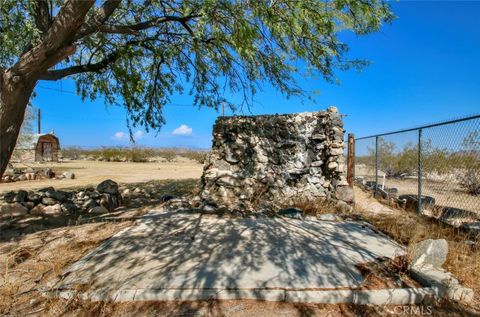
(446, 193)
(90, 173)
(35, 250)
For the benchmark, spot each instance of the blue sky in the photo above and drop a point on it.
(425, 68)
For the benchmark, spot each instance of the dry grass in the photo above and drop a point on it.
(463, 258)
(408, 228)
(313, 207)
(28, 264)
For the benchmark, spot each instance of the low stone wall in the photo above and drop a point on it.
(48, 201)
(263, 160)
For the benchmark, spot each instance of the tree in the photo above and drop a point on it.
(138, 53)
(26, 134)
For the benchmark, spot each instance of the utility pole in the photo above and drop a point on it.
(223, 109)
(39, 119)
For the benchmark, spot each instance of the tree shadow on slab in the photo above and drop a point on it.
(179, 254)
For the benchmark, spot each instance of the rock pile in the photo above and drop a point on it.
(257, 160)
(17, 175)
(48, 201)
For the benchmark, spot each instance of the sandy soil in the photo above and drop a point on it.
(90, 173)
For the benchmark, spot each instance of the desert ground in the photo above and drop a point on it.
(447, 193)
(33, 251)
(90, 173)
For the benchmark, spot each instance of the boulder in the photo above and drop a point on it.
(13, 210)
(49, 173)
(21, 196)
(57, 195)
(89, 204)
(52, 209)
(345, 193)
(28, 204)
(46, 189)
(38, 210)
(109, 202)
(49, 201)
(69, 175)
(94, 195)
(9, 197)
(431, 253)
(108, 187)
(166, 198)
(33, 197)
(69, 207)
(31, 176)
(291, 212)
(98, 210)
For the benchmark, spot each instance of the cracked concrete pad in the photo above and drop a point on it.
(185, 252)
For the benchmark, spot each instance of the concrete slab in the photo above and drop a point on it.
(182, 256)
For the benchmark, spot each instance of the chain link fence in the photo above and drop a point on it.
(432, 169)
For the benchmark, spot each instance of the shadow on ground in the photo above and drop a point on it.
(135, 205)
(178, 254)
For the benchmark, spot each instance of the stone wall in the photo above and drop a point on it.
(263, 160)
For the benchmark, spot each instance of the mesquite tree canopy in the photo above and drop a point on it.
(137, 54)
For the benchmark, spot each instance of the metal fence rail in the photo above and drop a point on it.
(435, 167)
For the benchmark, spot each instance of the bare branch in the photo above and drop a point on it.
(134, 28)
(96, 67)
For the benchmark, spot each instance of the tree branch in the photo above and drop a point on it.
(99, 17)
(134, 28)
(43, 19)
(111, 58)
(59, 37)
(96, 67)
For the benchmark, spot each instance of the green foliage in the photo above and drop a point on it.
(397, 162)
(210, 48)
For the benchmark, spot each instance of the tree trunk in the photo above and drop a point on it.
(14, 96)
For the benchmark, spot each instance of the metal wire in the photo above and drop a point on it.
(438, 163)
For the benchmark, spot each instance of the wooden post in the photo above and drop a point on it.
(351, 159)
(39, 120)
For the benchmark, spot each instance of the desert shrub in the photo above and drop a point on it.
(470, 181)
(111, 154)
(200, 157)
(138, 154)
(168, 155)
(73, 152)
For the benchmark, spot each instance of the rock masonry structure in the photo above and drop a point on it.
(48, 201)
(260, 160)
